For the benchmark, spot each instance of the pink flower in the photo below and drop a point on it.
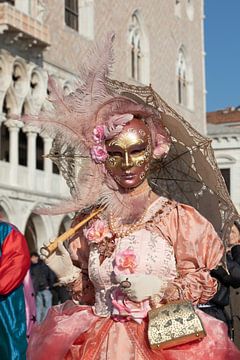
(125, 262)
(97, 231)
(99, 133)
(99, 153)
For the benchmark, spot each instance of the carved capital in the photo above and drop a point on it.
(11, 123)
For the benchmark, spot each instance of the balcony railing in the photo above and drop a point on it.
(38, 182)
(22, 27)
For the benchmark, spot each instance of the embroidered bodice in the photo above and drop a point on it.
(154, 256)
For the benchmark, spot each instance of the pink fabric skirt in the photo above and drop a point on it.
(73, 332)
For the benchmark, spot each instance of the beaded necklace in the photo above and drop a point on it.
(121, 230)
(107, 245)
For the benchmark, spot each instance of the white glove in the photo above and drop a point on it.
(61, 264)
(142, 287)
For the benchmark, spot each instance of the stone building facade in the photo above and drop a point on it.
(157, 41)
(224, 129)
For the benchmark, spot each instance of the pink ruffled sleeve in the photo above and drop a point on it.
(197, 248)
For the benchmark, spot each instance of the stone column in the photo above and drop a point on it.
(47, 162)
(13, 126)
(31, 155)
(47, 148)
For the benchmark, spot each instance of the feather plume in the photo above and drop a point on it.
(72, 121)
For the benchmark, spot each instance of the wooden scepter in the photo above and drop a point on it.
(47, 250)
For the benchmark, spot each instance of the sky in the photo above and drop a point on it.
(222, 47)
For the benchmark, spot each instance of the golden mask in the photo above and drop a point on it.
(129, 154)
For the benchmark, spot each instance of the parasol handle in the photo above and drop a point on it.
(46, 251)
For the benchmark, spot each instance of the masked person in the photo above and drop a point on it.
(140, 250)
(16, 294)
(227, 278)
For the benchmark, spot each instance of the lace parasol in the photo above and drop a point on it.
(188, 174)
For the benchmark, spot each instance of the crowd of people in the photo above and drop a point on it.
(137, 252)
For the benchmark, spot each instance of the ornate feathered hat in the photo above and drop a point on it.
(81, 122)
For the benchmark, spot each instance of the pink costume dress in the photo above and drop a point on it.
(176, 243)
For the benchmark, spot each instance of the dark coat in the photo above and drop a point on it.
(226, 280)
(42, 276)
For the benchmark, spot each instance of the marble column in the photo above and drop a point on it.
(47, 162)
(31, 156)
(14, 127)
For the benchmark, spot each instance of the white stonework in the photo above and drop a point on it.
(163, 28)
(226, 143)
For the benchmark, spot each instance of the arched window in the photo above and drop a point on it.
(31, 235)
(35, 232)
(139, 69)
(184, 81)
(181, 78)
(40, 152)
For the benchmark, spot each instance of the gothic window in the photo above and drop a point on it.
(20, 82)
(31, 235)
(71, 14)
(136, 51)
(181, 79)
(139, 54)
(16, 76)
(185, 93)
(40, 152)
(34, 82)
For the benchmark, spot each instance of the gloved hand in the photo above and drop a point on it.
(142, 287)
(61, 264)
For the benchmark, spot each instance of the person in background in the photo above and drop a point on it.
(227, 278)
(14, 265)
(43, 280)
(60, 293)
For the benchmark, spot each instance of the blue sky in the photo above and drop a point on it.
(222, 45)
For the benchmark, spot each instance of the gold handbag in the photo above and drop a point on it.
(174, 324)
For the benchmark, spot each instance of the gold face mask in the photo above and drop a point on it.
(130, 153)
